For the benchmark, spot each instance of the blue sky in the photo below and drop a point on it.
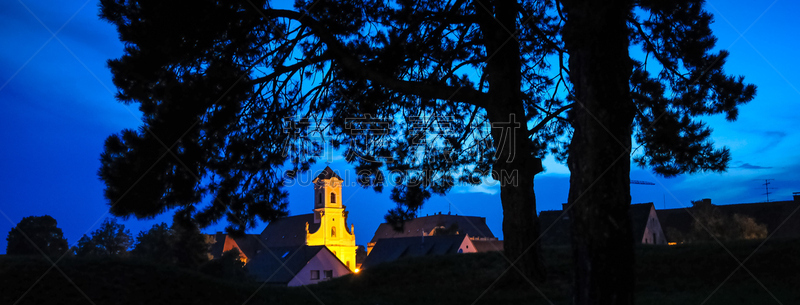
(57, 107)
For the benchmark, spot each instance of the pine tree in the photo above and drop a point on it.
(468, 88)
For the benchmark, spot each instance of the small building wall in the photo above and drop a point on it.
(467, 246)
(324, 260)
(653, 234)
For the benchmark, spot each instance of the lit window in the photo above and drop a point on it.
(333, 198)
(315, 274)
(328, 274)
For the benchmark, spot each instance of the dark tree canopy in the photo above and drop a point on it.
(175, 246)
(155, 244)
(216, 87)
(36, 235)
(238, 97)
(111, 239)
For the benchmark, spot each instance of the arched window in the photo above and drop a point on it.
(333, 231)
(333, 198)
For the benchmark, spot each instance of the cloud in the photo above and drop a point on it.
(751, 166)
(484, 188)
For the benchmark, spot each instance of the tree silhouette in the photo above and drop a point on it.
(658, 95)
(155, 244)
(111, 239)
(36, 235)
(444, 92)
(229, 266)
(177, 245)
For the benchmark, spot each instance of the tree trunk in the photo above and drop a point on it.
(514, 166)
(596, 38)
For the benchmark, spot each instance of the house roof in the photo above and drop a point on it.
(554, 227)
(279, 265)
(556, 224)
(390, 249)
(327, 173)
(485, 245)
(248, 245)
(640, 215)
(472, 225)
(289, 231)
(782, 218)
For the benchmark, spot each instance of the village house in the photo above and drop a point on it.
(645, 224)
(391, 249)
(441, 224)
(437, 234)
(315, 246)
(297, 266)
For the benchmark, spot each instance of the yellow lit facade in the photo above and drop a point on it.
(331, 216)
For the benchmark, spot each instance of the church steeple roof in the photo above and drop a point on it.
(328, 173)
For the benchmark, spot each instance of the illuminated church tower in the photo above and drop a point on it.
(331, 217)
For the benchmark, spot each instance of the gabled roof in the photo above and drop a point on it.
(485, 245)
(289, 231)
(557, 224)
(278, 265)
(327, 173)
(472, 225)
(554, 227)
(248, 245)
(390, 249)
(640, 215)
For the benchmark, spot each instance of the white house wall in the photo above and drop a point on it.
(653, 227)
(324, 260)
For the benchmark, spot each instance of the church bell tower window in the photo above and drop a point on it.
(333, 197)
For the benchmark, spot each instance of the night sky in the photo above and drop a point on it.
(57, 107)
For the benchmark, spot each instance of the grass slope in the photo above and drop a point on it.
(690, 274)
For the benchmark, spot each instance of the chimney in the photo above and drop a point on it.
(706, 201)
(796, 197)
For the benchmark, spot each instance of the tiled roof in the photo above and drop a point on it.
(327, 173)
(472, 225)
(280, 264)
(390, 249)
(487, 245)
(554, 227)
(289, 231)
(248, 245)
